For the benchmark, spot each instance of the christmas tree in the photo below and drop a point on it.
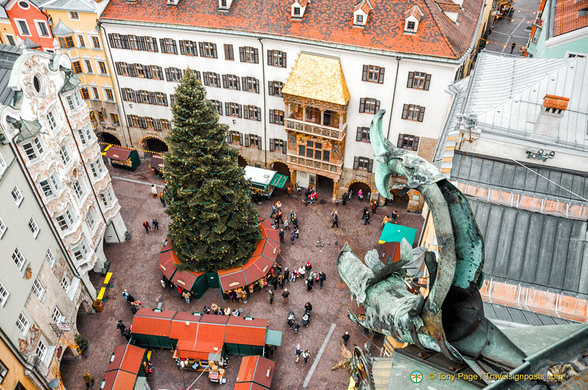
(213, 222)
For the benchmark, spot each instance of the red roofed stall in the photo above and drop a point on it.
(127, 369)
(151, 329)
(255, 372)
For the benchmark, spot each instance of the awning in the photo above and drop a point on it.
(395, 233)
(279, 181)
(118, 153)
(167, 264)
(185, 279)
(231, 279)
(273, 337)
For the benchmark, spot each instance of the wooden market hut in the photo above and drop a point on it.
(245, 335)
(255, 372)
(124, 158)
(150, 329)
(127, 369)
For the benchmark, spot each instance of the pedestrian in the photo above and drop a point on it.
(305, 355)
(88, 379)
(125, 294)
(385, 220)
(285, 295)
(308, 307)
(287, 223)
(350, 196)
(146, 226)
(322, 278)
(186, 295)
(394, 216)
(297, 353)
(512, 47)
(281, 235)
(280, 216)
(279, 206)
(160, 195)
(345, 338)
(295, 221)
(121, 326)
(344, 198)
(296, 231)
(155, 224)
(274, 211)
(271, 295)
(281, 280)
(286, 275)
(360, 194)
(335, 221)
(293, 236)
(374, 207)
(309, 284)
(308, 266)
(154, 191)
(275, 283)
(244, 296)
(366, 216)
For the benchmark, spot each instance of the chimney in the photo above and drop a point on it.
(550, 115)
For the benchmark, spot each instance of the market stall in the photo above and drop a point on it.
(264, 181)
(150, 329)
(122, 157)
(255, 372)
(127, 369)
(245, 335)
(395, 233)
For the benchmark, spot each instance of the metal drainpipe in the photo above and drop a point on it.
(264, 105)
(122, 105)
(48, 216)
(393, 95)
(86, 169)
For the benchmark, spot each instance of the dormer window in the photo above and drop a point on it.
(361, 13)
(298, 8)
(224, 5)
(412, 17)
(410, 25)
(172, 2)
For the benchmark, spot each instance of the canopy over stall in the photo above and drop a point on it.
(122, 157)
(264, 180)
(395, 233)
(255, 370)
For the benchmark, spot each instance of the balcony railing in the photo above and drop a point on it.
(315, 129)
(315, 164)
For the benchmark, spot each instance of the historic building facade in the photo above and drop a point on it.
(28, 23)
(368, 54)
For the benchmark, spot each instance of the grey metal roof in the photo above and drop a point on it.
(70, 5)
(506, 94)
(62, 30)
(511, 177)
(8, 55)
(536, 250)
(507, 317)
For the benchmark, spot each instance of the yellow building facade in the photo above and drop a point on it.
(77, 34)
(12, 372)
(7, 35)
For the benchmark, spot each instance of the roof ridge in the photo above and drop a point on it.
(441, 30)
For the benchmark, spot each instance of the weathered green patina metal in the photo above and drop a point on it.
(450, 319)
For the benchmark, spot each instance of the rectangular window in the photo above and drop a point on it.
(276, 58)
(114, 119)
(54, 182)
(418, 80)
(363, 164)
(229, 52)
(212, 79)
(57, 317)
(3, 165)
(22, 323)
(16, 195)
(408, 142)
(106, 197)
(66, 42)
(18, 258)
(50, 258)
(65, 284)
(74, 15)
(230, 81)
(88, 66)
(173, 74)
(218, 106)
(413, 112)
(3, 294)
(208, 50)
(38, 289)
(33, 227)
(252, 112)
(278, 144)
(249, 54)
(233, 109)
(168, 46)
(363, 134)
(250, 84)
(90, 220)
(102, 67)
(3, 372)
(95, 94)
(275, 88)
(43, 30)
(164, 124)
(81, 41)
(78, 189)
(85, 93)
(80, 252)
(189, 48)
(41, 350)
(76, 66)
(64, 154)
(51, 120)
(46, 188)
(2, 228)
(23, 27)
(109, 94)
(33, 149)
(372, 73)
(65, 220)
(10, 39)
(255, 141)
(276, 116)
(96, 42)
(369, 105)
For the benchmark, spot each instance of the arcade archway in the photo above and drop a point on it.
(242, 161)
(108, 138)
(355, 186)
(154, 144)
(280, 167)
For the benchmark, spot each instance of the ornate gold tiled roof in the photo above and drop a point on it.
(319, 78)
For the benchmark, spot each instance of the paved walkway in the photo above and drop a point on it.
(135, 267)
(506, 31)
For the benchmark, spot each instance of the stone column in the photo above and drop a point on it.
(303, 112)
(335, 189)
(322, 116)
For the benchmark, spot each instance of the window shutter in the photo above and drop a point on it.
(355, 162)
(370, 165)
(247, 140)
(410, 79)
(358, 134)
(259, 143)
(256, 84)
(427, 82)
(242, 54)
(246, 112)
(405, 111)
(201, 46)
(285, 57)
(225, 81)
(377, 106)
(182, 48)
(270, 87)
(400, 140)
(238, 84)
(167, 74)
(244, 81)
(269, 57)
(364, 74)
(271, 141)
(381, 77)
(271, 117)
(240, 110)
(241, 138)
(362, 105)
(415, 143)
(162, 45)
(227, 109)
(421, 114)
(256, 56)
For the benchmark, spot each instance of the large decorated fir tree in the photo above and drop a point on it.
(213, 222)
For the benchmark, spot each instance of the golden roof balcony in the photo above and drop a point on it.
(335, 134)
(320, 167)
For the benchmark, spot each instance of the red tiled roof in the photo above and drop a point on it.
(448, 6)
(567, 16)
(118, 153)
(152, 323)
(119, 380)
(256, 369)
(325, 20)
(248, 332)
(365, 6)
